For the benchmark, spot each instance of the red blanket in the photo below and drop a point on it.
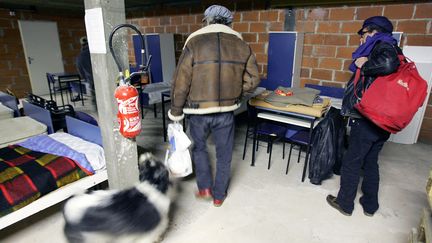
(26, 175)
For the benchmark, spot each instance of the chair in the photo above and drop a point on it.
(53, 88)
(300, 138)
(65, 82)
(57, 113)
(266, 131)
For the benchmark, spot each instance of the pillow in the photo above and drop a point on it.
(45, 144)
(93, 152)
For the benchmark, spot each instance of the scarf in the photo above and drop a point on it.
(366, 48)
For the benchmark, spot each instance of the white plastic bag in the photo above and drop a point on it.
(177, 157)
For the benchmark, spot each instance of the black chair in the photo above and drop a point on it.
(56, 86)
(267, 131)
(301, 139)
(58, 113)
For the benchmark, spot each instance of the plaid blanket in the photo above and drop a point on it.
(26, 175)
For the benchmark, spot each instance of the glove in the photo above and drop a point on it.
(175, 118)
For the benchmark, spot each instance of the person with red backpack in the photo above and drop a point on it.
(376, 56)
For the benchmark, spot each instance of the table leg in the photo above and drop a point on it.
(163, 118)
(61, 92)
(71, 96)
(308, 150)
(254, 141)
(49, 86)
(81, 92)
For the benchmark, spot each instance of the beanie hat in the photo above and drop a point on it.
(380, 21)
(218, 11)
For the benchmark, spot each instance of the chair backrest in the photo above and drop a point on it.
(301, 137)
(50, 78)
(84, 130)
(272, 129)
(40, 114)
(10, 101)
(328, 90)
(85, 117)
(36, 100)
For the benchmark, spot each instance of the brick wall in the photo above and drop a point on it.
(13, 69)
(330, 38)
(254, 26)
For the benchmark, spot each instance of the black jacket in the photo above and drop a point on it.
(382, 60)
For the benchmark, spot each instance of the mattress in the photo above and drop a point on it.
(14, 130)
(5, 112)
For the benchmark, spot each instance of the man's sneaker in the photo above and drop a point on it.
(204, 194)
(331, 200)
(217, 202)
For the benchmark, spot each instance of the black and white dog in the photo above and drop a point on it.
(138, 214)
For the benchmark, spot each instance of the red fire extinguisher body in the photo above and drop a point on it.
(128, 110)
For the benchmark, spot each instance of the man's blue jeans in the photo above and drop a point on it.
(365, 143)
(221, 126)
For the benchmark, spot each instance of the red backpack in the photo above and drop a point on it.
(391, 101)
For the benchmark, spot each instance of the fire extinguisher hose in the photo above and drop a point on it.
(112, 49)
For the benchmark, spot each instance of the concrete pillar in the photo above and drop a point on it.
(120, 153)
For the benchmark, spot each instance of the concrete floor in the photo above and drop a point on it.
(269, 206)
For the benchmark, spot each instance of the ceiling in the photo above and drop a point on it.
(77, 6)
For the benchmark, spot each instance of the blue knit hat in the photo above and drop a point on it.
(380, 21)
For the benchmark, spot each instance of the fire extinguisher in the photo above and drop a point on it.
(127, 96)
(128, 110)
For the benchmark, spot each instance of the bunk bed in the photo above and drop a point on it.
(80, 135)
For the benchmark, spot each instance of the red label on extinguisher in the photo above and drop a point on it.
(128, 111)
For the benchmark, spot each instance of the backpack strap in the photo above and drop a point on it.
(356, 79)
(403, 59)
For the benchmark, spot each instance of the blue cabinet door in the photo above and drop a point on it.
(281, 51)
